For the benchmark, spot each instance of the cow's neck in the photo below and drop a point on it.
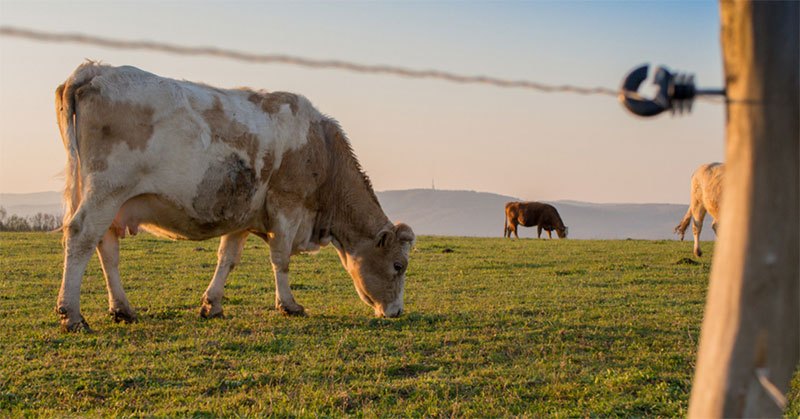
(352, 225)
(349, 208)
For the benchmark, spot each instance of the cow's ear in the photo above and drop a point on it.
(384, 238)
(404, 233)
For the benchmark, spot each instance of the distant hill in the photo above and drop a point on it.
(469, 213)
(26, 204)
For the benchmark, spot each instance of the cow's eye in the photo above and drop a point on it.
(398, 266)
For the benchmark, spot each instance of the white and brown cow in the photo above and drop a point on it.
(190, 161)
(706, 197)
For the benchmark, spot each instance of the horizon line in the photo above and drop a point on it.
(565, 200)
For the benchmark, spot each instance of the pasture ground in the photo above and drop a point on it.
(493, 328)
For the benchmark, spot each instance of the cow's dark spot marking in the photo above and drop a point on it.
(85, 90)
(225, 191)
(230, 131)
(271, 102)
(302, 170)
(103, 123)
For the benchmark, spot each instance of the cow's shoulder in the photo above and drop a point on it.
(304, 168)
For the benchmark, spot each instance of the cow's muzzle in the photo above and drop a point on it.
(390, 313)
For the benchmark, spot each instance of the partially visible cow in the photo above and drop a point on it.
(706, 197)
(529, 214)
(190, 161)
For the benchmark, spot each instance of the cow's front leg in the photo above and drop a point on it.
(228, 256)
(697, 228)
(118, 306)
(284, 300)
(280, 250)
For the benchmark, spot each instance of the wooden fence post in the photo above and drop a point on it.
(750, 339)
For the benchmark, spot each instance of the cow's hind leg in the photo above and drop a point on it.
(228, 256)
(82, 233)
(697, 228)
(108, 251)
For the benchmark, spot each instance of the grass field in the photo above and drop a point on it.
(493, 328)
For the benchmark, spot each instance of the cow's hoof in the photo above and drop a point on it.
(291, 309)
(72, 323)
(698, 253)
(75, 326)
(208, 311)
(123, 315)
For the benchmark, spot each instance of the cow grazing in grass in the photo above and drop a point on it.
(529, 214)
(706, 197)
(189, 161)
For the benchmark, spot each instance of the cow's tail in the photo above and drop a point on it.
(66, 113)
(505, 224)
(680, 229)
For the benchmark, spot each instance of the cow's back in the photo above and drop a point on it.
(530, 213)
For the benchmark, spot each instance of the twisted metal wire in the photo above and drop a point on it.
(78, 38)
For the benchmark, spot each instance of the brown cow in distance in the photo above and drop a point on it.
(529, 214)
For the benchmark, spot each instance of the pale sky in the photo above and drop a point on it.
(408, 132)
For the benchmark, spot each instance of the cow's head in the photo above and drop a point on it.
(378, 268)
(562, 232)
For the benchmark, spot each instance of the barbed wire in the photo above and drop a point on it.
(78, 38)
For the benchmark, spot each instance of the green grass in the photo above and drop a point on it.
(493, 328)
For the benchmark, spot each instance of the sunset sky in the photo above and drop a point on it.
(408, 132)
